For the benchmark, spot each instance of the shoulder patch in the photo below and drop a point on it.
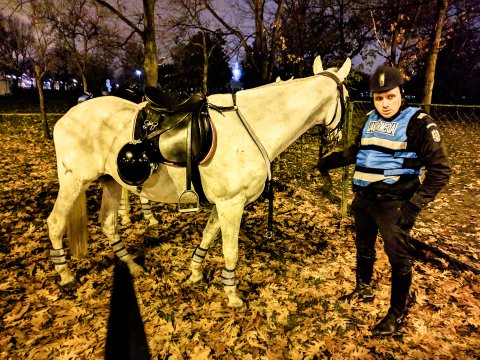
(435, 134)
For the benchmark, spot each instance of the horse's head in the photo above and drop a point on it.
(331, 129)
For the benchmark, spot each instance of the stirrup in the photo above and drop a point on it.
(188, 209)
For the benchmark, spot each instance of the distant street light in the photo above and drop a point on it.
(236, 72)
(138, 73)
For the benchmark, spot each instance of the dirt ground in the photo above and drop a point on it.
(290, 283)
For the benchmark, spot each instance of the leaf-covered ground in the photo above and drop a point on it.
(290, 284)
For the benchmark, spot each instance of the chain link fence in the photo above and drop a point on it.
(449, 228)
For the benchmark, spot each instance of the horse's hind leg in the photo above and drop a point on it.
(108, 220)
(70, 199)
(210, 233)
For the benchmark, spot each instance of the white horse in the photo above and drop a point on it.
(233, 177)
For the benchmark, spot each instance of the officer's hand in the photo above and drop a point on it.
(409, 214)
(321, 166)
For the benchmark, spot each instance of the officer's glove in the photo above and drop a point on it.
(325, 177)
(322, 166)
(409, 214)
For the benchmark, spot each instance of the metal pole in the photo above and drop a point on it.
(347, 129)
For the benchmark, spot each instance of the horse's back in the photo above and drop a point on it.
(98, 110)
(89, 131)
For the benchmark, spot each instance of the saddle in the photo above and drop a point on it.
(183, 133)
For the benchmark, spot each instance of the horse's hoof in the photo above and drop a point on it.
(152, 221)
(237, 305)
(195, 278)
(70, 287)
(135, 269)
(126, 221)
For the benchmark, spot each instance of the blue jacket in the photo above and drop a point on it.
(382, 150)
(416, 143)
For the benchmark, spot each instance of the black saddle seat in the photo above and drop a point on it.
(162, 101)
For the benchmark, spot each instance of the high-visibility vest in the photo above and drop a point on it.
(383, 149)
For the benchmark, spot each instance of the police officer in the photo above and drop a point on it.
(389, 152)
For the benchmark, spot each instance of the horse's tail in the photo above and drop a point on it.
(77, 232)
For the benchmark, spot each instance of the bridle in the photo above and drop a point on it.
(324, 132)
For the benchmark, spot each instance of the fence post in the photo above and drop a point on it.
(347, 129)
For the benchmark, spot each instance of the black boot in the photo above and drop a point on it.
(398, 301)
(363, 290)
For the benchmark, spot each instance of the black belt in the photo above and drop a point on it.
(375, 196)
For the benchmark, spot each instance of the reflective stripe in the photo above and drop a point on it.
(390, 144)
(372, 177)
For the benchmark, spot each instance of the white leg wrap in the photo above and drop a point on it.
(228, 277)
(147, 211)
(199, 254)
(124, 207)
(58, 257)
(119, 249)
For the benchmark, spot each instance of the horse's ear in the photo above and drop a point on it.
(343, 72)
(317, 66)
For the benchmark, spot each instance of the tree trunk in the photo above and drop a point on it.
(151, 59)
(260, 42)
(84, 82)
(205, 64)
(442, 6)
(38, 80)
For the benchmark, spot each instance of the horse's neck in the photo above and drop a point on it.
(280, 114)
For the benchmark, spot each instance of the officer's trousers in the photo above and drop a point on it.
(373, 216)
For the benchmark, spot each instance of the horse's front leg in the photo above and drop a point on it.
(230, 216)
(124, 208)
(210, 233)
(147, 211)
